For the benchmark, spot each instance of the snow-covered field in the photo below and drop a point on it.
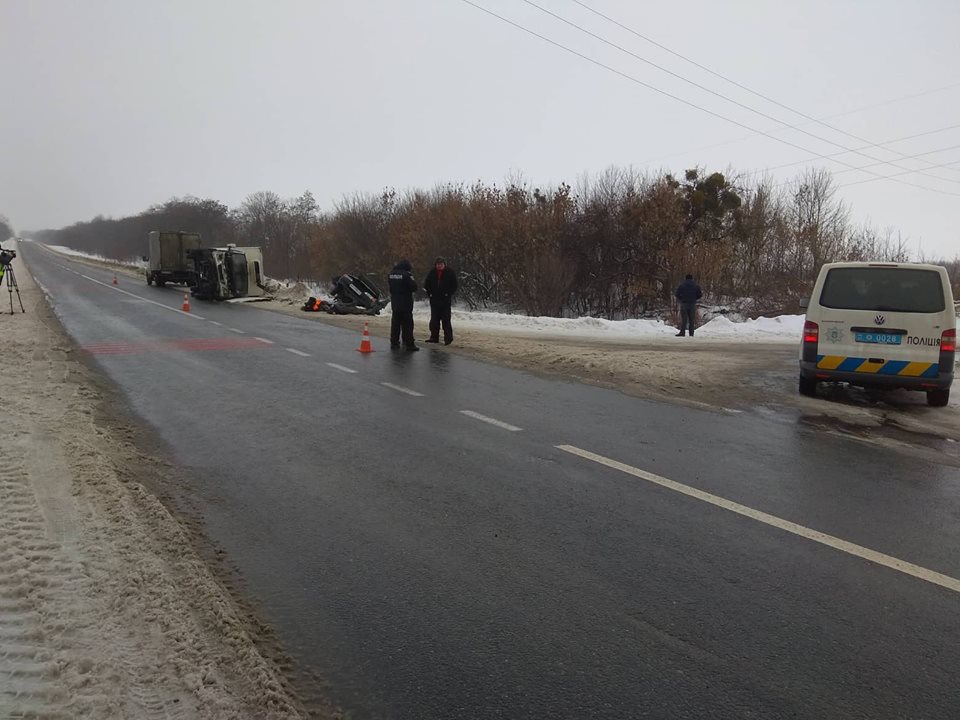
(785, 328)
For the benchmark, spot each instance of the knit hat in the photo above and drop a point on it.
(439, 260)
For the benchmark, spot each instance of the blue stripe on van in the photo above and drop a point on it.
(932, 371)
(850, 364)
(893, 367)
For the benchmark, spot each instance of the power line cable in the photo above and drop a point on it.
(874, 179)
(744, 87)
(732, 100)
(905, 157)
(688, 103)
(861, 182)
(828, 117)
(784, 183)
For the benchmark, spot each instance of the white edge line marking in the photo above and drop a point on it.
(214, 322)
(907, 568)
(398, 388)
(241, 332)
(492, 421)
(264, 340)
(142, 299)
(341, 367)
(301, 353)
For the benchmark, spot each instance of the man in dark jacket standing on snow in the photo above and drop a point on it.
(687, 294)
(440, 285)
(402, 288)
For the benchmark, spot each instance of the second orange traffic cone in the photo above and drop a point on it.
(365, 346)
(186, 302)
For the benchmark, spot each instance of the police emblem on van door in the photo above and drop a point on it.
(879, 320)
(834, 335)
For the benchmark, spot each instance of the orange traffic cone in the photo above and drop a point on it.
(186, 302)
(114, 278)
(365, 346)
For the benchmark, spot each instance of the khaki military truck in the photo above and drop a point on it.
(168, 260)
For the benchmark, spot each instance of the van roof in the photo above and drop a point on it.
(914, 266)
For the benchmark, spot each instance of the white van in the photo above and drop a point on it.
(887, 325)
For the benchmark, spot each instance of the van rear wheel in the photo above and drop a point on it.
(938, 398)
(808, 386)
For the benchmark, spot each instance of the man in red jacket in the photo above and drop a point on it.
(440, 285)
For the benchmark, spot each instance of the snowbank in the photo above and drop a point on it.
(785, 328)
(64, 250)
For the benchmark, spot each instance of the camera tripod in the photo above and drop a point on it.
(6, 272)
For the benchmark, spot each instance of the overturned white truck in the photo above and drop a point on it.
(228, 272)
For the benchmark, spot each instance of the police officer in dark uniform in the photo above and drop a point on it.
(687, 294)
(440, 285)
(402, 288)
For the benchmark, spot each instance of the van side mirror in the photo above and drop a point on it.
(804, 303)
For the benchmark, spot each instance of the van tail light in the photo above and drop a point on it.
(811, 337)
(948, 349)
(948, 341)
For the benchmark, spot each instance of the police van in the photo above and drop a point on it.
(881, 325)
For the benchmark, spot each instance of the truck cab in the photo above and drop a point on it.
(220, 273)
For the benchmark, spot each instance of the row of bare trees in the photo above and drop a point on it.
(280, 227)
(615, 246)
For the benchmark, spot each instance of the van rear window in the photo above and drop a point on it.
(887, 289)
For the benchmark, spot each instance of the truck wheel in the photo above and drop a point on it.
(938, 398)
(808, 386)
(160, 283)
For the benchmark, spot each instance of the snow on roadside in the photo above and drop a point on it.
(106, 609)
(785, 328)
(64, 250)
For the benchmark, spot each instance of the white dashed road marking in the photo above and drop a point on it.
(301, 353)
(342, 368)
(214, 322)
(264, 340)
(492, 421)
(137, 297)
(241, 332)
(907, 568)
(408, 391)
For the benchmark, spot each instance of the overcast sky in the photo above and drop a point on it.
(110, 106)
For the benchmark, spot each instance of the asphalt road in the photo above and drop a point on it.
(441, 538)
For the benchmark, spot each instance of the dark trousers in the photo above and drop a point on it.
(440, 314)
(401, 323)
(688, 317)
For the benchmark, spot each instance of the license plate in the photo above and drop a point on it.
(878, 338)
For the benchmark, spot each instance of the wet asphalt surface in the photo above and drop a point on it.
(426, 564)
